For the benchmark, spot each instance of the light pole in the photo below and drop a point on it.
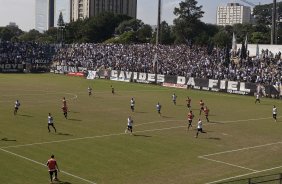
(159, 22)
(273, 27)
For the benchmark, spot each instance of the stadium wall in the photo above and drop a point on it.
(225, 86)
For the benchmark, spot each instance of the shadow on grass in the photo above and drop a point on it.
(181, 105)
(66, 134)
(25, 115)
(61, 182)
(74, 112)
(72, 119)
(216, 122)
(214, 138)
(141, 112)
(167, 117)
(138, 135)
(6, 139)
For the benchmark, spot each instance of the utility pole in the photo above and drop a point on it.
(273, 27)
(159, 22)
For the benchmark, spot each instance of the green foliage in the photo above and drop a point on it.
(144, 34)
(222, 39)
(125, 38)
(129, 25)
(259, 37)
(94, 29)
(61, 22)
(166, 34)
(32, 35)
(187, 28)
(187, 21)
(10, 32)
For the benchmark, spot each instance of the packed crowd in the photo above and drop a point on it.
(179, 60)
(25, 52)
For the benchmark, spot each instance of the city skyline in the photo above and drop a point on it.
(23, 12)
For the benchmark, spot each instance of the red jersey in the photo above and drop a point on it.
(190, 116)
(188, 101)
(65, 109)
(206, 110)
(52, 164)
(64, 103)
(202, 103)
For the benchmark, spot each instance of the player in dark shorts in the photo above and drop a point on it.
(51, 122)
(113, 90)
(202, 104)
(188, 102)
(174, 98)
(274, 113)
(206, 111)
(132, 104)
(89, 91)
(190, 119)
(129, 125)
(199, 128)
(17, 106)
(65, 111)
(159, 107)
(257, 98)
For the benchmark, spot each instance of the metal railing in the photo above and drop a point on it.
(269, 179)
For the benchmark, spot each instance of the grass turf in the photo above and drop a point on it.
(161, 150)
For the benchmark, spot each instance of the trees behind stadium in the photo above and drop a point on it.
(187, 28)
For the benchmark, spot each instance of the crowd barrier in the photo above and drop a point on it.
(225, 86)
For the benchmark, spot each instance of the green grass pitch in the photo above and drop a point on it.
(242, 139)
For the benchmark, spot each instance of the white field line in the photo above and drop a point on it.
(118, 134)
(226, 163)
(243, 120)
(66, 173)
(74, 96)
(154, 122)
(236, 150)
(247, 174)
(91, 137)
(241, 149)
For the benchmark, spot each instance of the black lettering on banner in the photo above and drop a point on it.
(170, 79)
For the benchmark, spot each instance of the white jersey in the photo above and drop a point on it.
(129, 122)
(17, 104)
(89, 89)
(274, 110)
(50, 119)
(257, 96)
(173, 97)
(158, 107)
(132, 102)
(200, 125)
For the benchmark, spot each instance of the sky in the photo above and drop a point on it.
(22, 12)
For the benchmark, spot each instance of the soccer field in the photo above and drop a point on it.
(242, 139)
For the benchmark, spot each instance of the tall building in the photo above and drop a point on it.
(88, 8)
(63, 6)
(80, 9)
(233, 13)
(44, 14)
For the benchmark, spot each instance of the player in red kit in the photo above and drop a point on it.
(52, 168)
(64, 102)
(65, 111)
(202, 104)
(190, 119)
(188, 102)
(206, 111)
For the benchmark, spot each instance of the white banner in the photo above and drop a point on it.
(91, 75)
